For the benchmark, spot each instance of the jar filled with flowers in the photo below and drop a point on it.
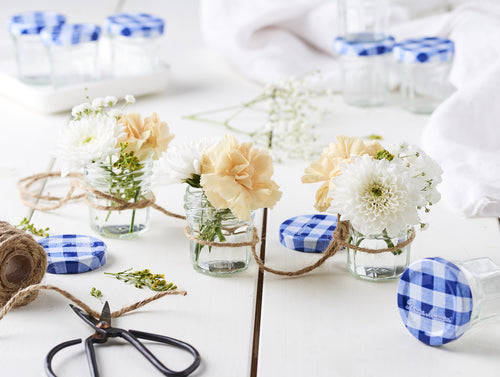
(116, 151)
(382, 193)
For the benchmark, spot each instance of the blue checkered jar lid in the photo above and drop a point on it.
(29, 23)
(424, 50)
(435, 301)
(70, 34)
(308, 233)
(135, 25)
(361, 44)
(73, 253)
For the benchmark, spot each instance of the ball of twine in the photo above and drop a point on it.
(22, 263)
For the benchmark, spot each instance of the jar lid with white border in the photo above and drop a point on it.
(424, 50)
(359, 45)
(32, 23)
(308, 233)
(135, 25)
(70, 34)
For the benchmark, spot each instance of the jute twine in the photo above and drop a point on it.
(29, 197)
(22, 263)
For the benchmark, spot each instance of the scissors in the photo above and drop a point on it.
(104, 330)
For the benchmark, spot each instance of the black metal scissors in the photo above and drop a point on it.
(103, 331)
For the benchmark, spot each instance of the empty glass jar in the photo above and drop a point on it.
(424, 67)
(73, 53)
(439, 300)
(135, 43)
(365, 67)
(32, 62)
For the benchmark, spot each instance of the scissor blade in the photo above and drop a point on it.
(105, 314)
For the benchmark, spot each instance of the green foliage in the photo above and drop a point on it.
(96, 293)
(144, 278)
(27, 227)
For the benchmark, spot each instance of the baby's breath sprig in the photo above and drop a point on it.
(28, 227)
(144, 278)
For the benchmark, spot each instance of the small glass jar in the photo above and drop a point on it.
(135, 43)
(130, 186)
(377, 266)
(369, 17)
(216, 225)
(73, 53)
(440, 300)
(424, 66)
(32, 62)
(364, 68)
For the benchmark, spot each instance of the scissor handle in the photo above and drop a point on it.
(53, 351)
(133, 336)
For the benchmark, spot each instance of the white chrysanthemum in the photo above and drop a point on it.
(182, 161)
(88, 140)
(375, 195)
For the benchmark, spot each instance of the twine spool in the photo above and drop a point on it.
(23, 262)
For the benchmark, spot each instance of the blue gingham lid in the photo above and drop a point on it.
(70, 34)
(73, 253)
(360, 45)
(435, 301)
(33, 22)
(424, 50)
(309, 233)
(135, 25)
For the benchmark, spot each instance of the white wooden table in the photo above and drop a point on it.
(323, 324)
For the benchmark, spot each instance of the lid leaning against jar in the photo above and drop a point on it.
(29, 23)
(70, 34)
(435, 301)
(135, 25)
(424, 50)
(308, 233)
(352, 46)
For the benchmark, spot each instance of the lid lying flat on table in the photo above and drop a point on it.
(435, 301)
(70, 34)
(73, 253)
(363, 44)
(424, 50)
(33, 22)
(135, 25)
(308, 233)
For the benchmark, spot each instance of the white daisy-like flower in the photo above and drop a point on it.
(129, 98)
(182, 161)
(375, 195)
(88, 140)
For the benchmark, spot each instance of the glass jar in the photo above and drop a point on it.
(216, 225)
(73, 53)
(31, 58)
(130, 186)
(377, 266)
(439, 300)
(369, 17)
(135, 43)
(424, 66)
(365, 67)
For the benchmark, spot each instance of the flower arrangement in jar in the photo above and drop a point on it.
(381, 192)
(226, 181)
(116, 150)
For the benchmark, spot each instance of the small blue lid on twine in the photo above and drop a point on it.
(29, 23)
(424, 50)
(135, 25)
(73, 253)
(308, 233)
(70, 34)
(435, 301)
(362, 45)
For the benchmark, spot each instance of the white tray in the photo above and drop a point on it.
(46, 99)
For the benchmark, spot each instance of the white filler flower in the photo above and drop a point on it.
(88, 140)
(375, 195)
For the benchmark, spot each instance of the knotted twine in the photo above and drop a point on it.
(23, 263)
(339, 237)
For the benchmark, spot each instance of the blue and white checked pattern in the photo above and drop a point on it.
(360, 46)
(135, 25)
(424, 50)
(73, 253)
(33, 22)
(435, 301)
(70, 34)
(309, 233)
